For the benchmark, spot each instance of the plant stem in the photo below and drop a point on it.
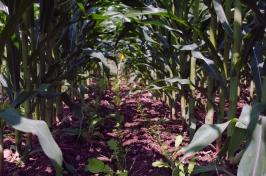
(26, 72)
(192, 76)
(210, 108)
(235, 61)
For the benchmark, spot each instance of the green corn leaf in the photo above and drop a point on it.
(211, 68)
(222, 17)
(210, 168)
(254, 117)
(40, 129)
(244, 118)
(253, 161)
(191, 47)
(238, 137)
(133, 12)
(99, 55)
(3, 81)
(25, 95)
(176, 80)
(204, 136)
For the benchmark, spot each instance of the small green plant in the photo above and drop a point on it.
(92, 127)
(178, 168)
(118, 153)
(97, 166)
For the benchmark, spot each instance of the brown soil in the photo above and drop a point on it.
(147, 133)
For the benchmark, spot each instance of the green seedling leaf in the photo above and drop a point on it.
(178, 140)
(113, 144)
(160, 164)
(204, 136)
(81, 7)
(96, 166)
(191, 166)
(37, 127)
(122, 173)
(253, 161)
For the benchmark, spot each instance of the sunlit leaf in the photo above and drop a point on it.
(222, 17)
(37, 127)
(178, 140)
(253, 161)
(3, 7)
(97, 166)
(160, 164)
(204, 136)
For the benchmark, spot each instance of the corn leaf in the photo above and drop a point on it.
(253, 161)
(3, 8)
(40, 129)
(204, 136)
(222, 17)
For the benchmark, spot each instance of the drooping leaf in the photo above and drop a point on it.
(204, 136)
(3, 7)
(111, 65)
(190, 47)
(37, 127)
(211, 68)
(150, 10)
(254, 117)
(253, 161)
(222, 17)
(3, 81)
(244, 118)
(177, 80)
(25, 95)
